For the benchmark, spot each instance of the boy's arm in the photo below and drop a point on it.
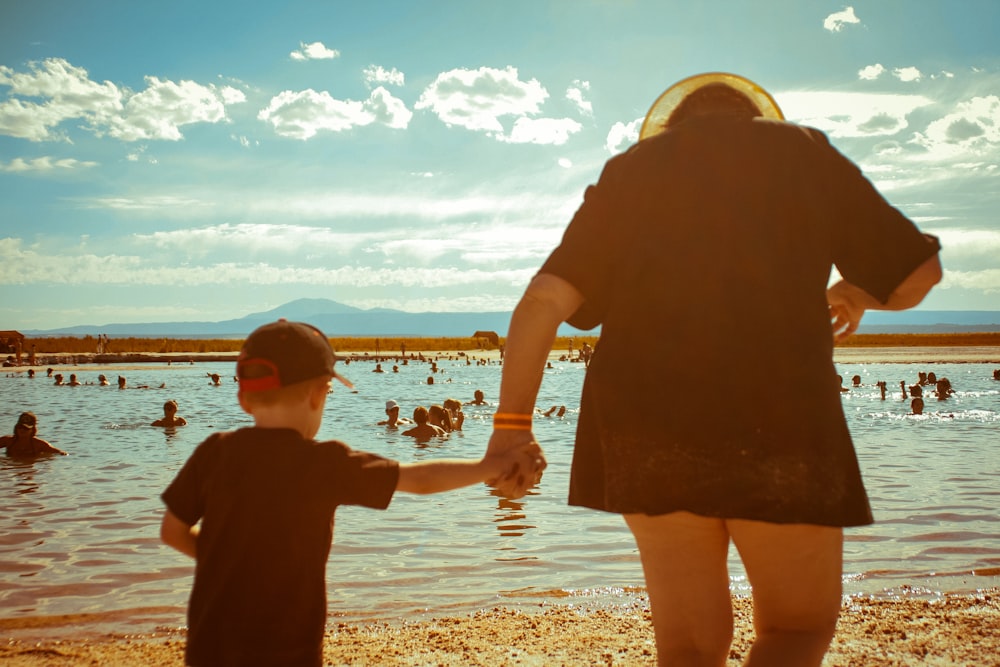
(447, 474)
(179, 535)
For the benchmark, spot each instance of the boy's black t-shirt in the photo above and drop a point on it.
(266, 499)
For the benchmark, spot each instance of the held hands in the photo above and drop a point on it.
(519, 457)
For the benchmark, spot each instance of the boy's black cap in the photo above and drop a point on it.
(284, 353)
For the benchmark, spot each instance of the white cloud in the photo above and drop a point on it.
(145, 203)
(555, 131)
(388, 110)
(871, 72)
(987, 281)
(835, 22)
(907, 74)
(575, 94)
(970, 244)
(27, 120)
(138, 153)
(159, 111)
(472, 243)
(232, 95)
(565, 163)
(843, 114)
(378, 74)
(20, 265)
(477, 99)
(44, 164)
(356, 205)
(623, 135)
(314, 51)
(300, 115)
(252, 239)
(972, 129)
(66, 92)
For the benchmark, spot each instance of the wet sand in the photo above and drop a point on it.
(952, 630)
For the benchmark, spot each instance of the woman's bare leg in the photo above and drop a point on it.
(684, 561)
(795, 571)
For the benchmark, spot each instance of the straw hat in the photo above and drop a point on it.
(665, 104)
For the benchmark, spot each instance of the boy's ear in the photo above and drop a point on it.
(317, 395)
(246, 407)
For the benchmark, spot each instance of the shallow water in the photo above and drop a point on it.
(79, 534)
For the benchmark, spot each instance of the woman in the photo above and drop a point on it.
(716, 234)
(25, 442)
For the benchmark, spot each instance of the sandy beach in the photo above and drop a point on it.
(950, 630)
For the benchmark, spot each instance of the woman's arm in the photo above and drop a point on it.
(547, 303)
(848, 302)
(179, 535)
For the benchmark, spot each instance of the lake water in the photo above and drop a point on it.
(79, 543)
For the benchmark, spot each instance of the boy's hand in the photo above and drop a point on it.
(520, 457)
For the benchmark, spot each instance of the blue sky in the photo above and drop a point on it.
(202, 161)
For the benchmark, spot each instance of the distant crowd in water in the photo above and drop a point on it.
(940, 388)
(438, 420)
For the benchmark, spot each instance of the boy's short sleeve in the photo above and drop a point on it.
(185, 497)
(363, 478)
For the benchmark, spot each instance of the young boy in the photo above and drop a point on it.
(265, 498)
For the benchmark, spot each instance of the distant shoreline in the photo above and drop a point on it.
(854, 355)
(980, 347)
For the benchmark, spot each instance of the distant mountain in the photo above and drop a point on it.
(929, 321)
(335, 319)
(338, 320)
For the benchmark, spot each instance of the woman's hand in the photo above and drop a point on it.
(848, 302)
(523, 458)
(847, 306)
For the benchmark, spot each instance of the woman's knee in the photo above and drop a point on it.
(795, 572)
(684, 561)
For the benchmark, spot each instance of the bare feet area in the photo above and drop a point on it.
(874, 632)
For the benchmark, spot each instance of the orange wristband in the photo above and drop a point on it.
(509, 421)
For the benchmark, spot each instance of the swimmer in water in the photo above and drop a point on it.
(25, 441)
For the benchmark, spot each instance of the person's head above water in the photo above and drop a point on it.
(28, 422)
